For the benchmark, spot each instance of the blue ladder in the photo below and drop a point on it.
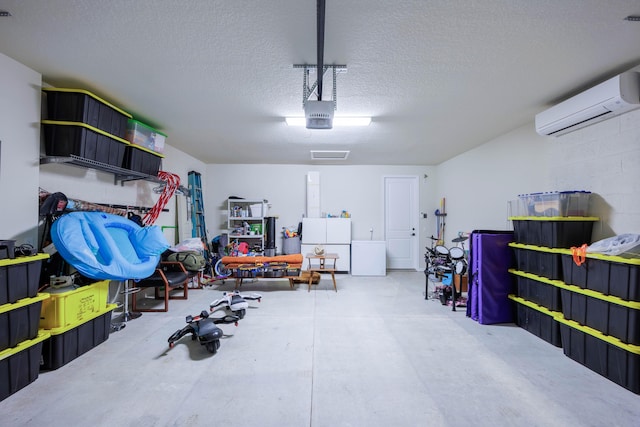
(199, 229)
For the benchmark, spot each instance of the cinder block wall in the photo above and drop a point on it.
(605, 159)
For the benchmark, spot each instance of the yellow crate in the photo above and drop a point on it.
(74, 307)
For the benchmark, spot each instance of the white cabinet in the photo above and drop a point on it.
(339, 231)
(314, 230)
(326, 230)
(368, 258)
(245, 222)
(334, 234)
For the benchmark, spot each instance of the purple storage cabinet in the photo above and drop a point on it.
(490, 283)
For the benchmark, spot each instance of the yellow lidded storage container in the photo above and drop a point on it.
(75, 306)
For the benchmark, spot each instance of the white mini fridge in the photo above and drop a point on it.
(368, 258)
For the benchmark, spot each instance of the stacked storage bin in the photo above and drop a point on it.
(20, 339)
(81, 124)
(144, 154)
(550, 223)
(77, 320)
(600, 325)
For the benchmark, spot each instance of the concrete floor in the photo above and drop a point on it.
(376, 353)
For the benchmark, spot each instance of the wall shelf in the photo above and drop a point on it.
(120, 175)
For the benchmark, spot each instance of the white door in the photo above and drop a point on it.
(401, 221)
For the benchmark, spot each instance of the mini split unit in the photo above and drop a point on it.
(608, 99)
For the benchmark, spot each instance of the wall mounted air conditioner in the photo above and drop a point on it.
(608, 99)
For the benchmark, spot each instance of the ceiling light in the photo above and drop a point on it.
(632, 18)
(351, 121)
(337, 121)
(4, 13)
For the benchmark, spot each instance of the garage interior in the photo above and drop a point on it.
(472, 135)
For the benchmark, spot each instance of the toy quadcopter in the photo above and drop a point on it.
(235, 302)
(204, 329)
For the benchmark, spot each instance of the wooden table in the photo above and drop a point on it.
(323, 267)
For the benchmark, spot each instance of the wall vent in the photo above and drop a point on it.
(329, 155)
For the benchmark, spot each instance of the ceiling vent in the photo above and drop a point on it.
(329, 154)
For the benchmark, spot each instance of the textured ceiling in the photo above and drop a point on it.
(438, 77)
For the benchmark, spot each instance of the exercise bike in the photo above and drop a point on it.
(204, 329)
(234, 302)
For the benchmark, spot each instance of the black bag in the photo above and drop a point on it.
(192, 260)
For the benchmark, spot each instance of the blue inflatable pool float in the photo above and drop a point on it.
(108, 247)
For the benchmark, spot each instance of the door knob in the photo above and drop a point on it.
(413, 234)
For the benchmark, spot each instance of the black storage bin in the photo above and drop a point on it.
(537, 320)
(526, 232)
(609, 275)
(541, 293)
(538, 260)
(7, 249)
(20, 365)
(19, 321)
(68, 343)
(553, 232)
(602, 354)
(72, 138)
(141, 160)
(20, 277)
(565, 234)
(77, 105)
(603, 314)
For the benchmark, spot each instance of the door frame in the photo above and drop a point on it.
(415, 217)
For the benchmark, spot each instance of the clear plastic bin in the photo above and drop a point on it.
(554, 204)
(145, 136)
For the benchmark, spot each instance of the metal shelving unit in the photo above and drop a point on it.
(240, 211)
(120, 175)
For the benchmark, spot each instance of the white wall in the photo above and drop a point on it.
(98, 187)
(356, 189)
(478, 184)
(605, 159)
(21, 175)
(19, 147)
(180, 163)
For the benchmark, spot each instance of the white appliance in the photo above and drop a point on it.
(334, 234)
(608, 99)
(368, 258)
